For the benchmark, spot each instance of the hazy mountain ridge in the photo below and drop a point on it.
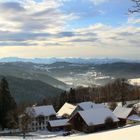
(35, 81)
(129, 70)
(89, 74)
(29, 71)
(69, 60)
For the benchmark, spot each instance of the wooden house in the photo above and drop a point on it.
(92, 120)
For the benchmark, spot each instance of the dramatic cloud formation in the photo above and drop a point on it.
(68, 28)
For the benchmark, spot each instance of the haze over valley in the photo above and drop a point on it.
(49, 77)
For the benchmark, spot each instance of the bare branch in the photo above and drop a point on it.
(136, 7)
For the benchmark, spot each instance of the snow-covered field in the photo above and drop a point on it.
(128, 133)
(135, 81)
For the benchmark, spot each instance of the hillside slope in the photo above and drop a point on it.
(25, 90)
(29, 71)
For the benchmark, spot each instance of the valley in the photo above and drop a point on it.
(36, 81)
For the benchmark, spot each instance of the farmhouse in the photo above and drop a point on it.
(123, 113)
(66, 110)
(39, 116)
(93, 120)
(56, 125)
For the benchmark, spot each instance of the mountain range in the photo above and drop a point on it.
(30, 81)
(69, 60)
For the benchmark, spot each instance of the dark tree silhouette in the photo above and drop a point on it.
(72, 96)
(7, 102)
(136, 7)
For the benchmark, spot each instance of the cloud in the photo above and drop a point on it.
(99, 35)
(97, 2)
(14, 43)
(133, 20)
(25, 15)
(12, 7)
(22, 36)
(66, 34)
(49, 26)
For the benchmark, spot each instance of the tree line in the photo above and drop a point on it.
(118, 91)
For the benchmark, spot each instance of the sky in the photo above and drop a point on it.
(69, 28)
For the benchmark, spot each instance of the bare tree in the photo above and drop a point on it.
(136, 7)
(25, 121)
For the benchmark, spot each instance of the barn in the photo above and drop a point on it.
(92, 120)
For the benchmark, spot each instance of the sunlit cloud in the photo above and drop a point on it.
(45, 28)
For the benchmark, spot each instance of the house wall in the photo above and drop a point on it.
(37, 124)
(58, 128)
(77, 122)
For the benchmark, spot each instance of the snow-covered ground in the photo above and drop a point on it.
(135, 81)
(128, 133)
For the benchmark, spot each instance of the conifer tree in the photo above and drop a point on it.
(7, 102)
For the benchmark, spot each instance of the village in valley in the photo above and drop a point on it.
(66, 117)
(72, 119)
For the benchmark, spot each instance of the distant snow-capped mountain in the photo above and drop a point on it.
(69, 60)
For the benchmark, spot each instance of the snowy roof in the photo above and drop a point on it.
(66, 109)
(41, 110)
(61, 122)
(122, 112)
(97, 116)
(134, 118)
(90, 105)
(137, 105)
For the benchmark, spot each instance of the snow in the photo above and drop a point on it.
(66, 109)
(128, 133)
(61, 122)
(41, 110)
(135, 81)
(137, 105)
(134, 118)
(102, 77)
(90, 105)
(122, 112)
(97, 116)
